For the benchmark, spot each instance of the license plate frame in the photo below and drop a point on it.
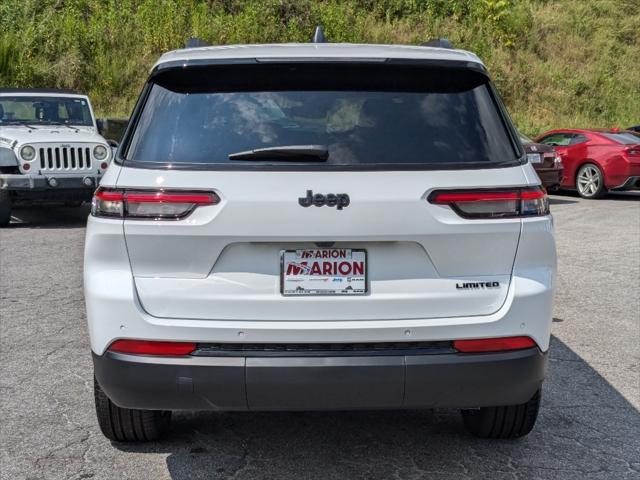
(361, 282)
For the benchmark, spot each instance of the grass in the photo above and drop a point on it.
(558, 63)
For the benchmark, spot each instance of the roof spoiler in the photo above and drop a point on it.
(438, 43)
(194, 42)
(318, 35)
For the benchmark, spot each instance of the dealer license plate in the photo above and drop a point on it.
(324, 271)
(534, 157)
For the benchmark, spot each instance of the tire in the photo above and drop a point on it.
(512, 421)
(126, 424)
(590, 182)
(5, 208)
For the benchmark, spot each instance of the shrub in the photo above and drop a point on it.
(558, 63)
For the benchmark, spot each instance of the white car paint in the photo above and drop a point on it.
(213, 277)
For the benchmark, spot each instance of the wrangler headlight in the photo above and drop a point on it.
(27, 153)
(100, 152)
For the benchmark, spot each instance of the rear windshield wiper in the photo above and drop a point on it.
(287, 153)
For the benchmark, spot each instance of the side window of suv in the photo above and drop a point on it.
(558, 139)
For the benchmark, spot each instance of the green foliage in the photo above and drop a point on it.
(556, 62)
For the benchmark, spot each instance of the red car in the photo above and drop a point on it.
(596, 160)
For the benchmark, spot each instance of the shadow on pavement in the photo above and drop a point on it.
(564, 196)
(586, 429)
(49, 217)
(624, 196)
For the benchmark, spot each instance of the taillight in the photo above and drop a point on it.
(148, 204)
(521, 202)
(493, 344)
(147, 347)
(633, 151)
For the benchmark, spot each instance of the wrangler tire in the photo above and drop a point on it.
(5, 208)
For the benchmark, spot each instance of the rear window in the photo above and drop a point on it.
(626, 138)
(382, 117)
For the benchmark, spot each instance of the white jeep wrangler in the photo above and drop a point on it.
(50, 149)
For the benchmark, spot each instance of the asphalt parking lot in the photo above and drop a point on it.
(589, 425)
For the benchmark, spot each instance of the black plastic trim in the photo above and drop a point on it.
(321, 349)
(210, 167)
(508, 123)
(32, 183)
(133, 121)
(198, 62)
(459, 380)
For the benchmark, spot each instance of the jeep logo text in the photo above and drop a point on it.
(338, 200)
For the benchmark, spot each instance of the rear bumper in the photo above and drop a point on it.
(392, 381)
(550, 177)
(622, 175)
(631, 183)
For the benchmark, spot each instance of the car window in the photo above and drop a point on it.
(626, 138)
(389, 119)
(576, 139)
(557, 139)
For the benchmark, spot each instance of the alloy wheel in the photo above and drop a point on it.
(589, 181)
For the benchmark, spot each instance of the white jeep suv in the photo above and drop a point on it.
(316, 227)
(50, 148)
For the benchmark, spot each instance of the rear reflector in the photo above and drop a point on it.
(493, 344)
(146, 347)
(149, 205)
(506, 203)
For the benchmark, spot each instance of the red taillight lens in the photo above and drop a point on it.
(160, 204)
(494, 203)
(493, 344)
(167, 197)
(146, 347)
(633, 151)
(465, 197)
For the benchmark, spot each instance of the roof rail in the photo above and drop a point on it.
(318, 35)
(438, 42)
(194, 42)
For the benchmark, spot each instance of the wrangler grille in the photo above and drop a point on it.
(64, 159)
